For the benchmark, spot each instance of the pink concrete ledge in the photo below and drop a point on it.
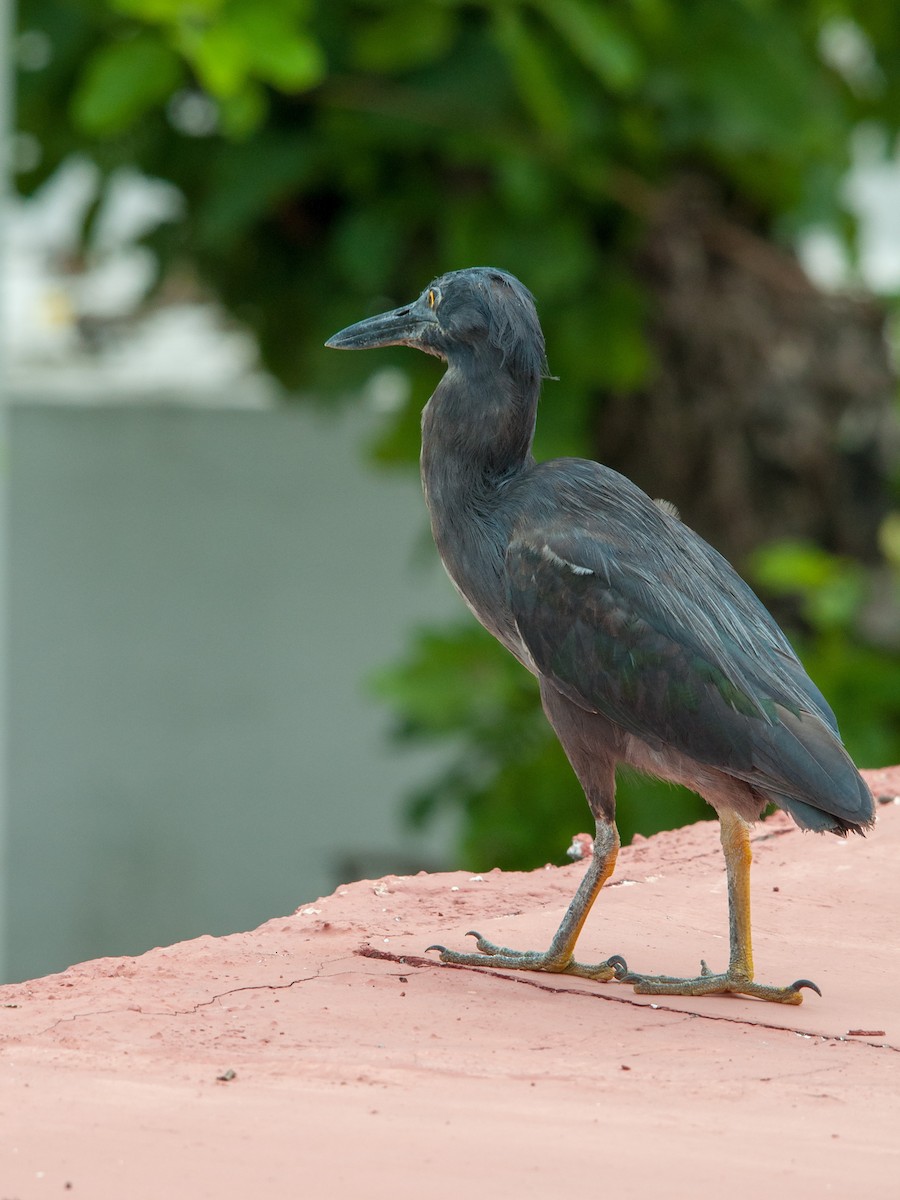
(307, 1059)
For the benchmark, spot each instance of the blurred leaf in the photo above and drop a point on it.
(859, 680)
(248, 181)
(538, 88)
(832, 588)
(597, 37)
(522, 186)
(455, 678)
(282, 55)
(368, 242)
(254, 41)
(889, 538)
(221, 57)
(795, 566)
(243, 112)
(601, 341)
(168, 11)
(405, 36)
(121, 81)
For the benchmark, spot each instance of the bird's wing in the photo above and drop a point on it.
(670, 644)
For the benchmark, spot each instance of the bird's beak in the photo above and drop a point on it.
(400, 327)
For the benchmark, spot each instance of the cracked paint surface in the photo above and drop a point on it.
(324, 1054)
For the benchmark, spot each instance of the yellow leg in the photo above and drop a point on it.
(559, 957)
(735, 834)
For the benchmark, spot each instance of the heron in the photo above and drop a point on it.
(648, 647)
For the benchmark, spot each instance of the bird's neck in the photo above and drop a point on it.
(477, 431)
(476, 443)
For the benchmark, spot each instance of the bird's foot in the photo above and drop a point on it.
(487, 954)
(709, 984)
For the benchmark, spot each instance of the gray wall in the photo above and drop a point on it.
(195, 598)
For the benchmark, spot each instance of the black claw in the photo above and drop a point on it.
(440, 949)
(805, 983)
(473, 933)
(618, 964)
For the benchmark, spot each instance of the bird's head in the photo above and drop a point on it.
(480, 312)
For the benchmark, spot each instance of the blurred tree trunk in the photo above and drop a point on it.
(771, 413)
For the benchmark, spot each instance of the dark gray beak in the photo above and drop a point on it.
(400, 327)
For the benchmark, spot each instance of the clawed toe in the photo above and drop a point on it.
(484, 946)
(805, 983)
(710, 984)
(488, 954)
(483, 950)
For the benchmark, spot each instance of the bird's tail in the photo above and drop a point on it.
(809, 817)
(837, 799)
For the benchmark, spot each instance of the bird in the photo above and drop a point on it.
(648, 648)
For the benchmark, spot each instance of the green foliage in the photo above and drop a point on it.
(831, 589)
(232, 47)
(336, 154)
(855, 670)
(348, 150)
(121, 81)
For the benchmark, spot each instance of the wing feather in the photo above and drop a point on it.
(631, 614)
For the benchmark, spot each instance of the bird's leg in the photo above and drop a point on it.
(559, 957)
(738, 978)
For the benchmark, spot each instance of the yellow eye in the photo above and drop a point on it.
(431, 297)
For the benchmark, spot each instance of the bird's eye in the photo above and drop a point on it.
(431, 298)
